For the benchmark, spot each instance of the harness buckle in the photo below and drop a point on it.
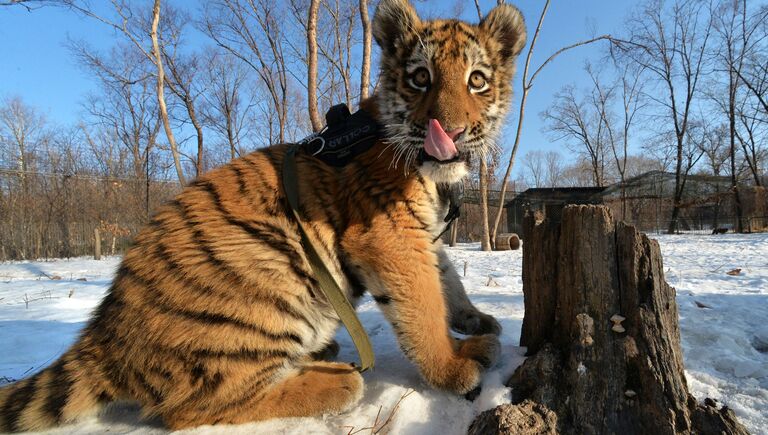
(312, 138)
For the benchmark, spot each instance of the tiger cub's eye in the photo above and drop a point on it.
(477, 81)
(420, 78)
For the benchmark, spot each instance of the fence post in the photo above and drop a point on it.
(97, 244)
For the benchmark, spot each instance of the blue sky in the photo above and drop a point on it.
(37, 66)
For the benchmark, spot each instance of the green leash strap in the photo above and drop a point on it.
(328, 285)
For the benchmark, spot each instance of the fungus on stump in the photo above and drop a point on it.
(601, 327)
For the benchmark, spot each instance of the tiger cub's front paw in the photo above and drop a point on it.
(484, 349)
(472, 357)
(474, 322)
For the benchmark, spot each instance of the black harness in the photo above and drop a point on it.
(344, 137)
(347, 135)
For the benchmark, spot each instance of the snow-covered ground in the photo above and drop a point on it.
(723, 318)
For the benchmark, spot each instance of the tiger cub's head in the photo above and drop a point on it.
(445, 85)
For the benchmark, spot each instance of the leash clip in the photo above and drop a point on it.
(314, 137)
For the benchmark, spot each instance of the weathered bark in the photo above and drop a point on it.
(601, 326)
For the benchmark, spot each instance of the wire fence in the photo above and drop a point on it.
(723, 225)
(48, 215)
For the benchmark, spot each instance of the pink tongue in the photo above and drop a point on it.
(437, 144)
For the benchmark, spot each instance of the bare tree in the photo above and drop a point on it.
(754, 74)
(229, 106)
(752, 112)
(128, 25)
(22, 129)
(582, 124)
(554, 168)
(670, 47)
(756, 80)
(738, 35)
(485, 238)
(663, 147)
(716, 154)
(28, 4)
(627, 90)
(158, 59)
(577, 174)
(72, 179)
(126, 108)
(330, 57)
(365, 71)
(730, 54)
(338, 53)
(714, 147)
(184, 72)
(526, 85)
(314, 114)
(485, 241)
(752, 133)
(250, 30)
(535, 167)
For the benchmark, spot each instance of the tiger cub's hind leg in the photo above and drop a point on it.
(313, 389)
(318, 388)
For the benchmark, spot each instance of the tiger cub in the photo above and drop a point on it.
(214, 314)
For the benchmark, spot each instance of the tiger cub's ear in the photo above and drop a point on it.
(392, 22)
(505, 23)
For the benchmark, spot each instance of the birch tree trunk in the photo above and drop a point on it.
(161, 94)
(365, 72)
(485, 242)
(314, 114)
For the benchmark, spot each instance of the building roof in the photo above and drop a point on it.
(651, 178)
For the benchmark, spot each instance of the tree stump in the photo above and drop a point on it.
(601, 327)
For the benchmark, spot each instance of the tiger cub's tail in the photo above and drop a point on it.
(58, 394)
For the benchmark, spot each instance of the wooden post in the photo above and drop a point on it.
(601, 327)
(97, 244)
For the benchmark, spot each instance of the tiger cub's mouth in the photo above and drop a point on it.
(439, 145)
(440, 159)
(462, 156)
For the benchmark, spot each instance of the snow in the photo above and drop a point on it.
(724, 335)
(723, 321)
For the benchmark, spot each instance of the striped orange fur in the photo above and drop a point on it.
(214, 316)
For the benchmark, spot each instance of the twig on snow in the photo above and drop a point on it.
(377, 428)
